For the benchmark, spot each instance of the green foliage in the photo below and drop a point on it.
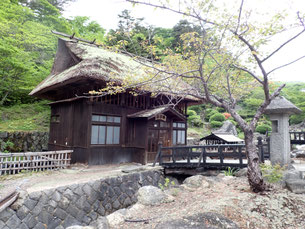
(191, 112)
(166, 184)
(263, 128)
(220, 109)
(295, 93)
(195, 120)
(230, 171)
(208, 113)
(272, 174)
(217, 117)
(197, 108)
(296, 119)
(181, 28)
(215, 124)
(27, 47)
(25, 117)
(90, 30)
(198, 132)
(7, 146)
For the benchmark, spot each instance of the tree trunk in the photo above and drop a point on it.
(255, 177)
(4, 98)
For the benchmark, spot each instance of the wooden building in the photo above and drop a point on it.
(113, 128)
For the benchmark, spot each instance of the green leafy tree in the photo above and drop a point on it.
(82, 26)
(27, 48)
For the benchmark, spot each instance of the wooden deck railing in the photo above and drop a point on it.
(207, 156)
(13, 163)
(297, 137)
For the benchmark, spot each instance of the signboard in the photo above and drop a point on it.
(161, 117)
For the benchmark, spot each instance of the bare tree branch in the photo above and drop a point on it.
(284, 65)
(283, 45)
(239, 16)
(264, 105)
(251, 73)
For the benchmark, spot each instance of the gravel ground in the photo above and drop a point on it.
(231, 197)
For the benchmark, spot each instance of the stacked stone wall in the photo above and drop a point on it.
(24, 141)
(77, 204)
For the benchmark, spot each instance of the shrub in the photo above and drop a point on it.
(273, 174)
(191, 113)
(195, 120)
(296, 119)
(230, 171)
(217, 117)
(263, 128)
(227, 115)
(208, 113)
(197, 108)
(220, 109)
(215, 124)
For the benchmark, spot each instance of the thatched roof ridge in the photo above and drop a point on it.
(280, 105)
(77, 62)
(94, 63)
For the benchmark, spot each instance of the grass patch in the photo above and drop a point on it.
(25, 117)
(197, 132)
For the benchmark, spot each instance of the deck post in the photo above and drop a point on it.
(220, 154)
(159, 155)
(173, 155)
(240, 154)
(189, 155)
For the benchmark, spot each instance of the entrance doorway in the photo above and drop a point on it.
(158, 132)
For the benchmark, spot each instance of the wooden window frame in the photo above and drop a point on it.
(176, 128)
(106, 125)
(55, 118)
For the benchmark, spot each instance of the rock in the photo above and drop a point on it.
(133, 168)
(102, 223)
(296, 185)
(208, 220)
(80, 227)
(3, 134)
(210, 173)
(150, 195)
(228, 178)
(196, 182)
(134, 209)
(292, 175)
(300, 153)
(227, 127)
(116, 218)
(169, 199)
(241, 172)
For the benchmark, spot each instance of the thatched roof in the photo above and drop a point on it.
(226, 137)
(78, 62)
(280, 105)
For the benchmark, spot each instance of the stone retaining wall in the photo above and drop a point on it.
(24, 141)
(77, 204)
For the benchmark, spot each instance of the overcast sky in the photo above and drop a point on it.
(105, 13)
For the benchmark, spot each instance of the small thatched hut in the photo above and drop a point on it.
(113, 128)
(221, 138)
